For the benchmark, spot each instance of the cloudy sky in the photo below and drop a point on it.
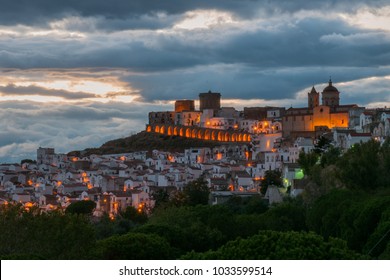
(74, 74)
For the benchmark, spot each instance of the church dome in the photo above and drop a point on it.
(330, 88)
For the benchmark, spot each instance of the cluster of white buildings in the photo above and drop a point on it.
(117, 181)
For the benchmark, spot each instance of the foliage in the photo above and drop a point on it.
(104, 227)
(27, 160)
(280, 245)
(173, 234)
(307, 161)
(339, 221)
(271, 177)
(197, 192)
(136, 216)
(194, 193)
(330, 157)
(322, 145)
(146, 141)
(133, 246)
(360, 166)
(254, 205)
(201, 227)
(247, 205)
(81, 207)
(286, 216)
(161, 198)
(359, 219)
(31, 234)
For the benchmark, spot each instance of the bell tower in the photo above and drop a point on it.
(313, 98)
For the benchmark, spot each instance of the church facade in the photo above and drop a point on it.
(316, 119)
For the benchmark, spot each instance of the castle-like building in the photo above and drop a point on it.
(310, 121)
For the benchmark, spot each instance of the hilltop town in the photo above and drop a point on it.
(248, 144)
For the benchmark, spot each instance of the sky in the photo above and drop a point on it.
(75, 74)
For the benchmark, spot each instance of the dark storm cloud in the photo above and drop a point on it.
(40, 11)
(118, 52)
(308, 42)
(14, 90)
(247, 82)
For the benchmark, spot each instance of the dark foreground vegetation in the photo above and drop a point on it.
(344, 213)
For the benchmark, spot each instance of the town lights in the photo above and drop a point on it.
(140, 207)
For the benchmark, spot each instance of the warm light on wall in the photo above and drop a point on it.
(202, 133)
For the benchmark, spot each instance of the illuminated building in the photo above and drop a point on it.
(184, 105)
(316, 119)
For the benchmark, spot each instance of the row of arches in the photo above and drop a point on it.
(200, 133)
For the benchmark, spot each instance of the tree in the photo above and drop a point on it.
(51, 235)
(160, 197)
(271, 177)
(27, 160)
(197, 192)
(360, 167)
(134, 215)
(330, 156)
(322, 145)
(360, 219)
(285, 216)
(307, 161)
(85, 207)
(280, 246)
(133, 246)
(201, 227)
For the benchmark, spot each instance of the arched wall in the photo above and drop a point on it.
(199, 133)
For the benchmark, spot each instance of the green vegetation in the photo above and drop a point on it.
(343, 214)
(133, 246)
(271, 177)
(35, 235)
(276, 245)
(147, 141)
(81, 207)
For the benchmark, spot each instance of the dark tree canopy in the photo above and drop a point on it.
(81, 207)
(134, 246)
(276, 245)
(197, 192)
(271, 177)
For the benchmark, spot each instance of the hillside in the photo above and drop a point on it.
(144, 141)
